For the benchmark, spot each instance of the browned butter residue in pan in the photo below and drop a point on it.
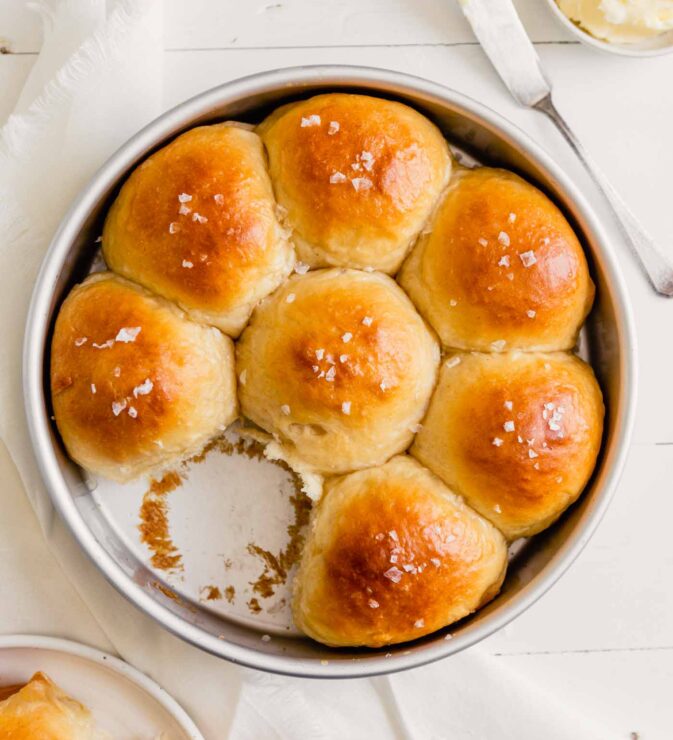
(154, 525)
(211, 593)
(278, 565)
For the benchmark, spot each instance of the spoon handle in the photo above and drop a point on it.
(657, 264)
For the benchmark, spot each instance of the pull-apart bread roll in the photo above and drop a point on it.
(516, 434)
(196, 223)
(43, 711)
(357, 175)
(136, 386)
(500, 269)
(338, 367)
(393, 555)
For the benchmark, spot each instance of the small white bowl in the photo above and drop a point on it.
(652, 47)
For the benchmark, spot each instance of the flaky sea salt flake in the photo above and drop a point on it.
(301, 268)
(361, 183)
(312, 120)
(118, 407)
(528, 258)
(143, 389)
(128, 334)
(393, 574)
(503, 238)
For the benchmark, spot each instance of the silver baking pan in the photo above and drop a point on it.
(105, 522)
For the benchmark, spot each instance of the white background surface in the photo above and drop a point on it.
(605, 632)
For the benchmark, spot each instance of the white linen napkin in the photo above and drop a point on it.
(96, 82)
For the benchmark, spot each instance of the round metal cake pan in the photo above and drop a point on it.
(609, 333)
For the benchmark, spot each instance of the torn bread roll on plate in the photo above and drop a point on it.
(41, 710)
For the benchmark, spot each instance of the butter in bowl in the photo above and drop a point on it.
(626, 27)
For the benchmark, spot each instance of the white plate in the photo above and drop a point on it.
(125, 703)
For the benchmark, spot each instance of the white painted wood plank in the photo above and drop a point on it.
(267, 23)
(287, 23)
(629, 691)
(620, 693)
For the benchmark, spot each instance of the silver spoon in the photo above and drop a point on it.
(506, 43)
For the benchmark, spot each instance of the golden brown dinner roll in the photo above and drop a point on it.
(500, 269)
(135, 385)
(357, 175)
(516, 434)
(196, 223)
(40, 710)
(393, 555)
(339, 367)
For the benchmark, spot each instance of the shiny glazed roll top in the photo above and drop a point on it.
(196, 223)
(136, 386)
(357, 176)
(393, 555)
(338, 367)
(516, 434)
(500, 267)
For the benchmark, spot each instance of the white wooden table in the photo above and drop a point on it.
(604, 634)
